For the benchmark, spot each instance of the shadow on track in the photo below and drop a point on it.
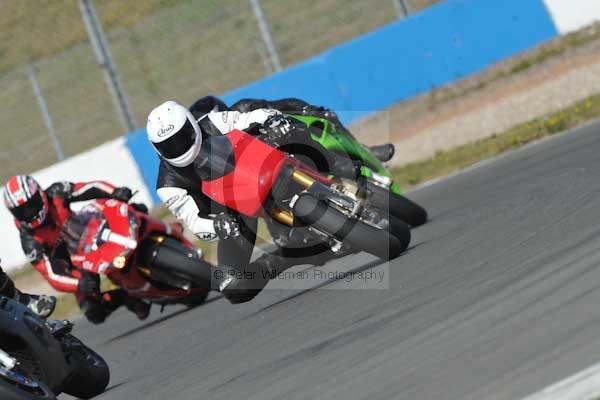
(158, 321)
(111, 388)
(361, 268)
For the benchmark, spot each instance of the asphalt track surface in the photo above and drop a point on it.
(498, 297)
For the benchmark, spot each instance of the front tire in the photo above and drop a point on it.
(358, 234)
(400, 230)
(172, 259)
(90, 375)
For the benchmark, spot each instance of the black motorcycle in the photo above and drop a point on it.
(40, 359)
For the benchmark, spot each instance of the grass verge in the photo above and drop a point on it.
(447, 162)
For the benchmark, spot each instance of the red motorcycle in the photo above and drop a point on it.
(251, 178)
(148, 258)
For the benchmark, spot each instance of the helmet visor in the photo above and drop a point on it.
(178, 144)
(29, 211)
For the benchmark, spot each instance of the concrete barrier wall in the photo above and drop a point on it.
(571, 15)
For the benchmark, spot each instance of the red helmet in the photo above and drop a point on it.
(26, 200)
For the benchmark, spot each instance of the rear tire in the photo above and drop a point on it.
(381, 243)
(400, 230)
(399, 206)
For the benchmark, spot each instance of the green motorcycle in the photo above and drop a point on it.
(330, 135)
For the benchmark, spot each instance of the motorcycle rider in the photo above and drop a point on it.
(291, 105)
(40, 215)
(185, 139)
(42, 305)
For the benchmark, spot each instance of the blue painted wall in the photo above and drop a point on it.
(146, 159)
(440, 45)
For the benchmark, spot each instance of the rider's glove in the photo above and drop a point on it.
(89, 284)
(226, 226)
(276, 128)
(122, 193)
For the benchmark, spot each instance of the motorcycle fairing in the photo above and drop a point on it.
(246, 188)
(96, 255)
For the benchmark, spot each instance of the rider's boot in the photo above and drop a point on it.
(113, 299)
(140, 308)
(241, 287)
(42, 305)
(383, 152)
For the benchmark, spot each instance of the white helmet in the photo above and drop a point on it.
(174, 133)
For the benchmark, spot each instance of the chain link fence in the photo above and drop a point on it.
(180, 49)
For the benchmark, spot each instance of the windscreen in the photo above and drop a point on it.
(81, 231)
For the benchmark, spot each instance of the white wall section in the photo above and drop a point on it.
(571, 15)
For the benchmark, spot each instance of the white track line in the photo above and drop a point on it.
(584, 385)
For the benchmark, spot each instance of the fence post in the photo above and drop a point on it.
(37, 91)
(266, 34)
(402, 8)
(102, 51)
(269, 69)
